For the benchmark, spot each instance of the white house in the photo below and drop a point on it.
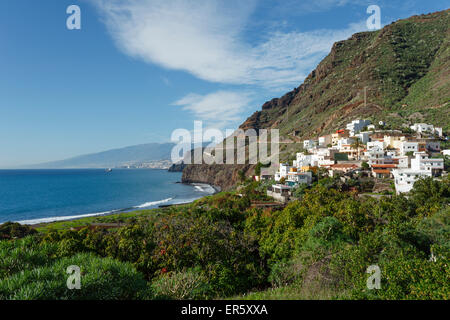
(375, 155)
(283, 171)
(363, 136)
(356, 126)
(422, 162)
(300, 177)
(343, 142)
(303, 160)
(375, 144)
(404, 179)
(402, 162)
(422, 128)
(325, 140)
(320, 157)
(406, 146)
(421, 166)
(426, 128)
(308, 144)
(279, 192)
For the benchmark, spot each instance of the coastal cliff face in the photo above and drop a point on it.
(403, 69)
(223, 176)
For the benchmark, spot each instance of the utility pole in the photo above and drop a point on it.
(365, 96)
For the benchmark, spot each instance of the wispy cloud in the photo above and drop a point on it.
(204, 38)
(220, 109)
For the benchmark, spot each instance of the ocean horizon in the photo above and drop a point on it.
(33, 196)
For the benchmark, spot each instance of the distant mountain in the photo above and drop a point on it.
(143, 153)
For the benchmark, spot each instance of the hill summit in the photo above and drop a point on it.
(399, 74)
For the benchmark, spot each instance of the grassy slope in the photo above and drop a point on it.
(123, 217)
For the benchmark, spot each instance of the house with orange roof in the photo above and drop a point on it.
(381, 171)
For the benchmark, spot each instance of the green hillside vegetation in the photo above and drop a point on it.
(318, 247)
(404, 66)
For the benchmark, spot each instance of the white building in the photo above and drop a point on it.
(320, 157)
(356, 126)
(344, 142)
(325, 140)
(300, 178)
(303, 160)
(446, 152)
(404, 179)
(283, 171)
(422, 162)
(426, 128)
(406, 146)
(402, 162)
(280, 192)
(363, 136)
(375, 155)
(375, 144)
(421, 166)
(308, 144)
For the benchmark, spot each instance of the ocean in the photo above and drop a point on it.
(37, 196)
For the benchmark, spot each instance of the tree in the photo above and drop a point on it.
(241, 175)
(429, 195)
(357, 145)
(365, 165)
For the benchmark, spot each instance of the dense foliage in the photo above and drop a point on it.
(220, 246)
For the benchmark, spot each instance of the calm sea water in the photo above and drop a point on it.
(34, 196)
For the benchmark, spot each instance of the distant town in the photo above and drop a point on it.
(393, 158)
(156, 164)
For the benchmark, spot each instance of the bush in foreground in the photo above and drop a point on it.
(101, 279)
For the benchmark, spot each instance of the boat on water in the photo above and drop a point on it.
(108, 170)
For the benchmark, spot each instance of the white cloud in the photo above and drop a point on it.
(220, 109)
(205, 38)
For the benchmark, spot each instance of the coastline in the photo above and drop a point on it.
(124, 211)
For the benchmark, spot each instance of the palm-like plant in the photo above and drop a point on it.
(357, 145)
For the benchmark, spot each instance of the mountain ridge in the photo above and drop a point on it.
(113, 158)
(397, 64)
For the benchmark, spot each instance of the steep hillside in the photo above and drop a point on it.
(405, 68)
(402, 69)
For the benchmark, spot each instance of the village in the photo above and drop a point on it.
(396, 158)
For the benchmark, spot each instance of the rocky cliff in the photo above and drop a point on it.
(223, 176)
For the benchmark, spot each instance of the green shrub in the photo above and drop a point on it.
(12, 230)
(24, 254)
(188, 285)
(101, 279)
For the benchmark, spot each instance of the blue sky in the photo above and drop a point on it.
(138, 69)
